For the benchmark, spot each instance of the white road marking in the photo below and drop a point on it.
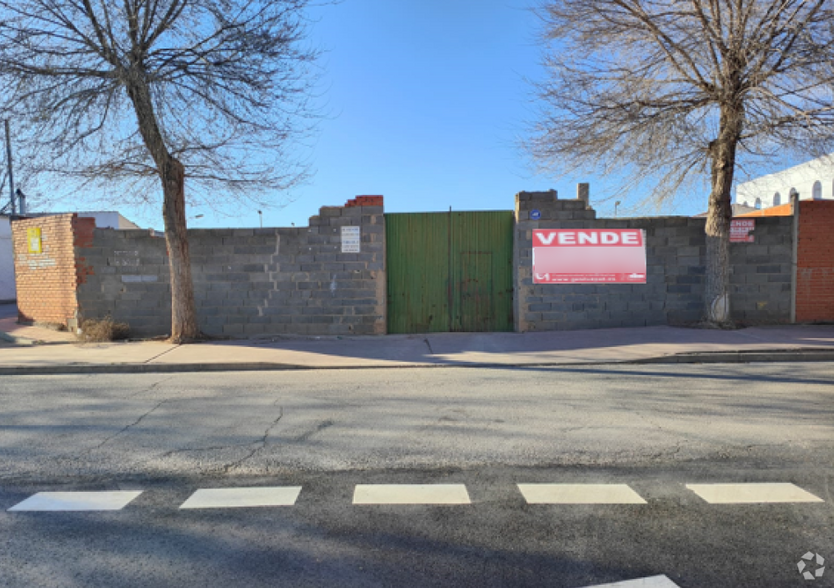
(411, 494)
(580, 494)
(243, 497)
(653, 582)
(752, 493)
(76, 501)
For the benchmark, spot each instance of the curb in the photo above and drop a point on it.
(808, 354)
(768, 356)
(152, 368)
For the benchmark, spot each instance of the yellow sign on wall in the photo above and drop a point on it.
(33, 237)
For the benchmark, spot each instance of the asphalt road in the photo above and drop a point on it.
(653, 429)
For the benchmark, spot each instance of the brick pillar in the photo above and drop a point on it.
(815, 262)
(45, 269)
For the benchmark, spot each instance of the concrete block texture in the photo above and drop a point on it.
(247, 281)
(298, 281)
(675, 266)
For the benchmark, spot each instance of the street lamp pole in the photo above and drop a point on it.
(9, 163)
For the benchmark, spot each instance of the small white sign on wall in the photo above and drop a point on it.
(351, 238)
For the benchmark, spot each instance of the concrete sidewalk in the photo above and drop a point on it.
(12, 332)
(628, 345)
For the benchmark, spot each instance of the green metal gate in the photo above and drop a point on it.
(449, 271)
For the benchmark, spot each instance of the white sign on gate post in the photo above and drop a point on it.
(589, 256)
(351, 240)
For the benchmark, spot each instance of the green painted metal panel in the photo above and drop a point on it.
(418, 278)
(482, 250)
(449, 272)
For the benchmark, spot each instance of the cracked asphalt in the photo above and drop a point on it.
(258, 424)
(655, 428)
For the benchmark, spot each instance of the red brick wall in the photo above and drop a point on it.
(47, 281)
(815, 262)
(82, 228)
(364, 201)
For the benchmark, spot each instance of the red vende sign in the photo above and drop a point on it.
(589, 256)
(740, 230)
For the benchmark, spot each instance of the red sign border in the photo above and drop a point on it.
(576, 278)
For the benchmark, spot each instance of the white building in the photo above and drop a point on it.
(104, 220)
(7, 290)
(814, 180)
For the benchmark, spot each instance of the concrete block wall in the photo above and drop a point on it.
(815, 262)
(297, 280)
(762, 273)
(250, 282)
(46, 282)
(675, 258)
(128, 279)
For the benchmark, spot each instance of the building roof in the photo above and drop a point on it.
(781, 210)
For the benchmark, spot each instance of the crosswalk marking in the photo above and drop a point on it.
(411, 494)
(580, 494)
(242, 497)
(565, 494)
(752, 493)
(653, 582)
(76, 501)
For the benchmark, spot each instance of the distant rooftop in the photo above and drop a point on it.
(738, 210)
(105, 219)
(781, 210)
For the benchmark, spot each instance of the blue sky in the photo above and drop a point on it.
(425, 102)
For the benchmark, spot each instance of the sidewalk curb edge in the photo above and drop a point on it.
(683, 358)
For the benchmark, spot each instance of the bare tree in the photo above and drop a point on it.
(673, 89)
(131, 90)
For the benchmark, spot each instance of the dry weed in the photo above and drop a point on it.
(101, 330)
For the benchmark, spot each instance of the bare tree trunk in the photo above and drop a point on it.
(184, 325)
(717, 294)
(719, 215)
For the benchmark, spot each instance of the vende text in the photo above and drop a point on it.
(588, 238)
